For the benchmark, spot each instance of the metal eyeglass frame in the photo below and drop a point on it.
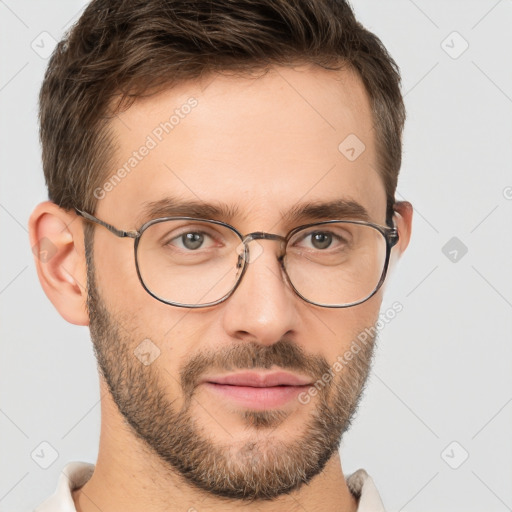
(390, 234)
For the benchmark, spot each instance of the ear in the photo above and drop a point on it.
(57, 241)
(403, 221)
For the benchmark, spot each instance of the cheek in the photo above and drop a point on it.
(116, 276)
(180, 334)
(130, 306)
(139, 312)
(336, 330)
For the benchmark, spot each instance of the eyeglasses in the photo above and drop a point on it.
(195, 263)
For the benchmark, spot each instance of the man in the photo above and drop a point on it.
(221, 179)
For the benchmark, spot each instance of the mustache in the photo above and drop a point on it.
(284, 354)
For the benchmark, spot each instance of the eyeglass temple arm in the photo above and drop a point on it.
(118, 232)
(393, 236)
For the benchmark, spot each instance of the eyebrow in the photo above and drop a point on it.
(319, 210)
(174, 207)
(315, 210)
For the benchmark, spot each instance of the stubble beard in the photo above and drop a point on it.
(263, 468)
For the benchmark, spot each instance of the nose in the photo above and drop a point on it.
(263, 308)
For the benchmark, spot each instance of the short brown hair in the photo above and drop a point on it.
(120, 50)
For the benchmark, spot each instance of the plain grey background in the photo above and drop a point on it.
(434, 429)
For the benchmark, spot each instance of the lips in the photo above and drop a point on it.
(260, 380)
(258, 391)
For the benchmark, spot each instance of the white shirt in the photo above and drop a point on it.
(76, 474)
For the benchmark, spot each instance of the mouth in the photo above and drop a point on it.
(258, 391)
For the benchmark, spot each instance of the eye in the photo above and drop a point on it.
(323, 240)
(191, 241)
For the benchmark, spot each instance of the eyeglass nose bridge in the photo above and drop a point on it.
(244, 253)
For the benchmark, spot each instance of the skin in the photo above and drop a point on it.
(261, 145)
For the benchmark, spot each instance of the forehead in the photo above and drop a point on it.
(255, 146)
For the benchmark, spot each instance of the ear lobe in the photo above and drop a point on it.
(59, 255)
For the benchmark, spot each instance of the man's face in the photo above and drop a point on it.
(260, 147)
